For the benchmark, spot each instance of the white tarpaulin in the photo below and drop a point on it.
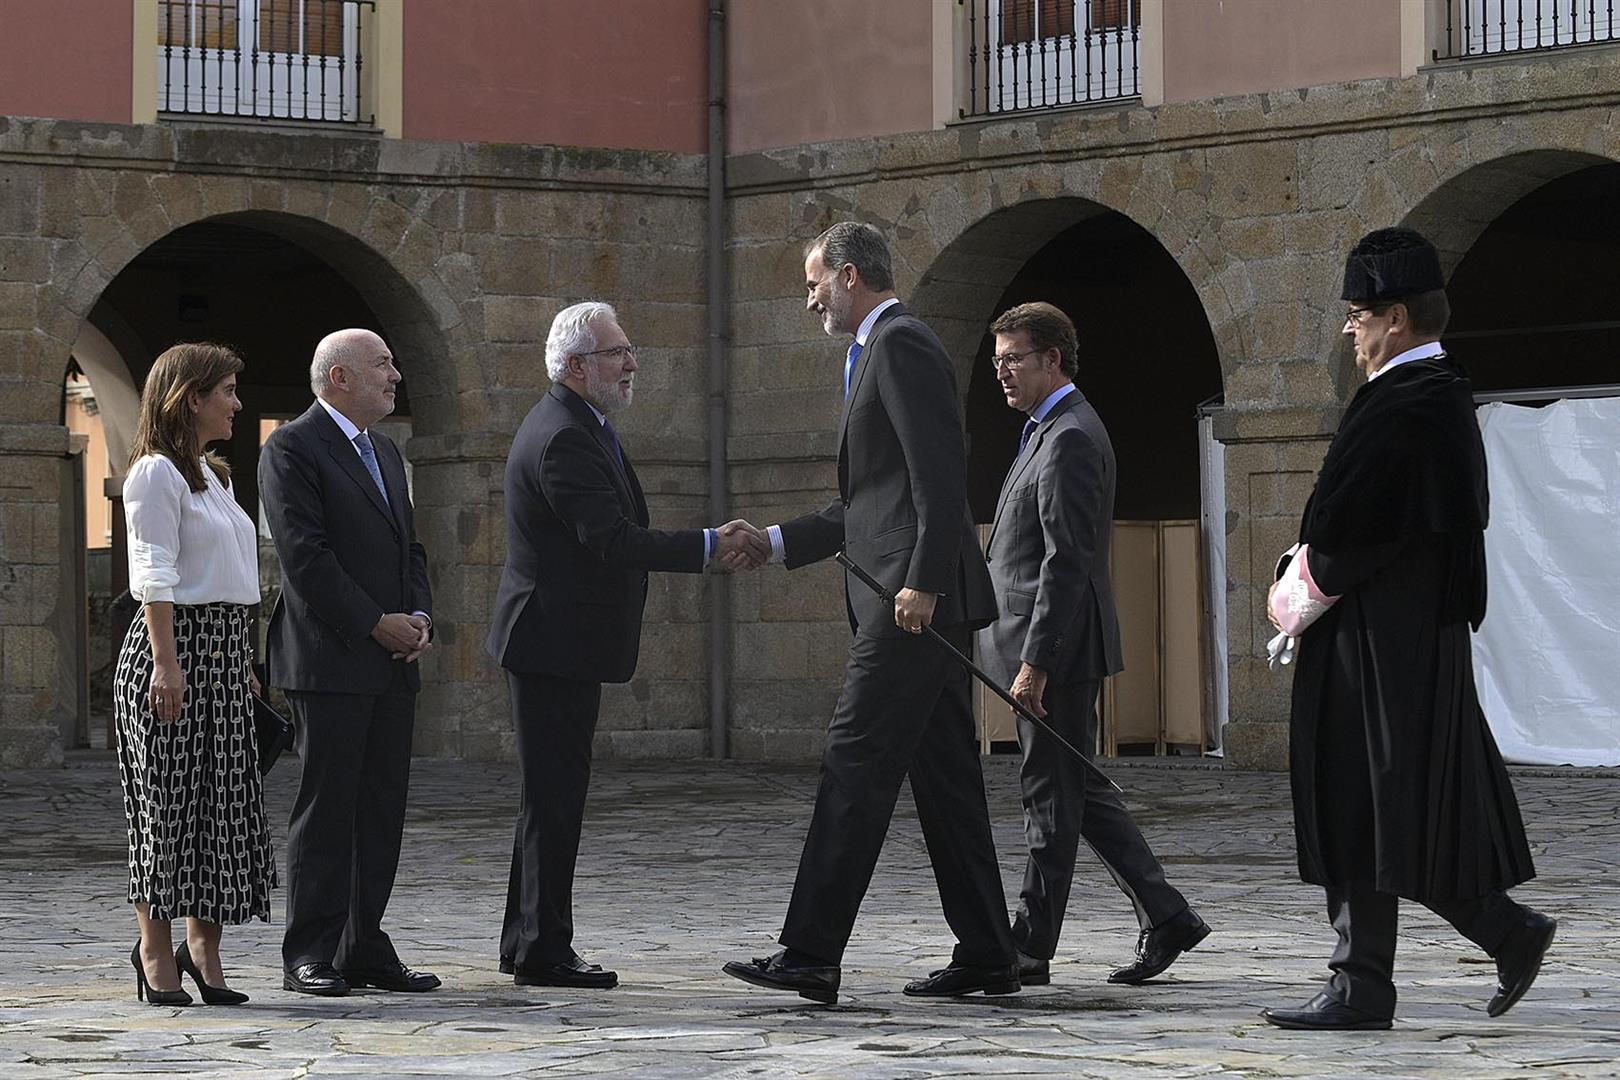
(1547, 658)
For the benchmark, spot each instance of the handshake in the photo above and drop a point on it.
(740, 546)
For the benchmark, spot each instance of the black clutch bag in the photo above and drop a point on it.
(272, 731)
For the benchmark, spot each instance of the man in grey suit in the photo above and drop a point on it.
(901, 513)
(1056, 638)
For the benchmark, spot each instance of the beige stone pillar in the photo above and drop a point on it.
(1272, 457)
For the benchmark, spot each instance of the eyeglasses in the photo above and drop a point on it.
(1012, 360)
(1354, 317)
(617, 352)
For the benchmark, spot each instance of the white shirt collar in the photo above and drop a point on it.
(1420, 352)
(343, 422)
(1044, 409)
(871, 319)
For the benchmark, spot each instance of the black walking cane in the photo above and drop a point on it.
(877, 586)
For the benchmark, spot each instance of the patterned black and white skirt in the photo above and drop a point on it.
(199, 845)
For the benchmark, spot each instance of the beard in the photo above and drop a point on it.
(605, 393)
(835, 315)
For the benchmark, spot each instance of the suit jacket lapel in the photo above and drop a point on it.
(392, 464)
(347, 459)
(629, 487)
(1031, 449)
(861, 367)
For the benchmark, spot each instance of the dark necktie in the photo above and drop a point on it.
(368, 454)
(613, 437)
(1029, 429)
(855, 348)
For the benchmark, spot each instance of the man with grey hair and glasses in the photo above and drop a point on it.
(568, 618)
(901, 513)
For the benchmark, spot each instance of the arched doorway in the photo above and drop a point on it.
(1534, 241)
(270, 285)
(1148, 360)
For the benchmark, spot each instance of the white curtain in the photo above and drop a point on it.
(1547, 658)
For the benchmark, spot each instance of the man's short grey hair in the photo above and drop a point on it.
(573, 334)
(334, 350)
(859, 245)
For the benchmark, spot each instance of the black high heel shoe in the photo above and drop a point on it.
(144, 992)
(211, 995)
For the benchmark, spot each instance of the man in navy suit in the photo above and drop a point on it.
(905, 711)
(353, 617)
(568, 618)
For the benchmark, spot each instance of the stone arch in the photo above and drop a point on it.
(957, 292)
(390, 253)
(1461, 206)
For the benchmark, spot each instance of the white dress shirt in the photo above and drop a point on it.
(862, 332)
(1417, 352)
(187, 547)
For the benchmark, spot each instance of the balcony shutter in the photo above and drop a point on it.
(1018, 22)
(200, 24)
(1114, 14)
(309, 27)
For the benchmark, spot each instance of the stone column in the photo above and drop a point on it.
(1272, 457)
(32, 583)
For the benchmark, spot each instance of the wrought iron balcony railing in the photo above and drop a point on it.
(263, 59)
(1492, 27)
(1043, 54)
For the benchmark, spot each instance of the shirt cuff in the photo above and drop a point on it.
(709, 541)
(778, 551)
(426, 616)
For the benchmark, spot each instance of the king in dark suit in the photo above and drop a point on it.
(904, 711)
(568, 618)
(1056, 638)
(353, 617)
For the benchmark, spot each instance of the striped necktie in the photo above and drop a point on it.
(368, 454)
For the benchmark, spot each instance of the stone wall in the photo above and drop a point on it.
(466, 250)
(1256, 197)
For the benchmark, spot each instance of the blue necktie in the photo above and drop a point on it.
(849, 364)
(368, 454)
(1029, 429)
(613, 437)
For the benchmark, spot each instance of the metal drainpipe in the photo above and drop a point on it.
(719, 585)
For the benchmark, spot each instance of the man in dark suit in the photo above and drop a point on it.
(1055, 640)
(901, 513)
(352, 620)
(568, 618)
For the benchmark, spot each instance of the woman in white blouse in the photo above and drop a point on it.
(199, 846)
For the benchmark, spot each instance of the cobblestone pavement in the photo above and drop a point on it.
(687, 865)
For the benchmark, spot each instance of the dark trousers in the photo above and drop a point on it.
(1062, 806)
(1363, 962)
(555, 720)
(347, 819)
(904, 710)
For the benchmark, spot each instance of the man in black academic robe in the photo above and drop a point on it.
(1399, 790)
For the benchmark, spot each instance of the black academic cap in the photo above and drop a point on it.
(1388, 264)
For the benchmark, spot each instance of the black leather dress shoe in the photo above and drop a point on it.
(317, 978)
(1323, 1013)
(1033, 972)
(1159, 947)
(396, 977)
(959, 979)
(1518, 961)
(817, 982)
(573, 972)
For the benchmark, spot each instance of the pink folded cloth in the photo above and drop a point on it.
(1295, 599)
